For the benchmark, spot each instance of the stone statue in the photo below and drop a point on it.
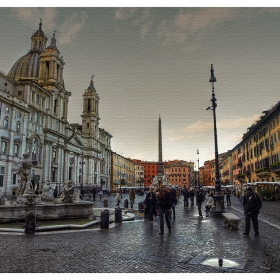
(25, 178)
(67, 193)
(2, 199)
(48, 192)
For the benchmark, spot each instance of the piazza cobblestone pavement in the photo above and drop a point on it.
(136, 246)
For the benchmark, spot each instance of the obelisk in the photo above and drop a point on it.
(160, 162)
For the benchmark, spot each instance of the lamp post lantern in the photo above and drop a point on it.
(218, 198)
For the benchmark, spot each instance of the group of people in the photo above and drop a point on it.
(163, 204)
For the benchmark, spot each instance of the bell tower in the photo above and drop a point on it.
(90, 116)
(51, 66)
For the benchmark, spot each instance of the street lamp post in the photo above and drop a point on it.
(198, 179)
(218, 198)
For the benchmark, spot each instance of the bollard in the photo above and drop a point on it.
(141, 207)
(105, 203)
(118, 215)
(126, 203)
(104, 219)
(30, 223)
(220, 261)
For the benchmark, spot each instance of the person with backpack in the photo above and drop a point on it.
(252, 204)
(199, 199)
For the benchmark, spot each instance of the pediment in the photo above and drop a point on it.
(75, 140)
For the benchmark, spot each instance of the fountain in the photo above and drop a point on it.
(68, 206)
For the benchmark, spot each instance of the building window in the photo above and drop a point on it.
(4, 145)
(19, 93)
(87, 124)
(2, 171)
(70, 173)
(55, 106)
(14, 179)
(88, 104)
(37, 98)
(41, 119)
(36, 117)
(16, 150)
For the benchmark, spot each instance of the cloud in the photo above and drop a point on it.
(47, 14)
(125, 13)
(200, 128)
(71, 27)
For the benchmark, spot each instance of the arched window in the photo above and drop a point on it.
(16, 150)
(55, 106)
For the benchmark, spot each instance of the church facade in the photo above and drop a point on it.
(33, 120)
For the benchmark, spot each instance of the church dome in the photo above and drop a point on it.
(28, 65)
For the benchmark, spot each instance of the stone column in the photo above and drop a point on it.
(54, 70)
(51, 69)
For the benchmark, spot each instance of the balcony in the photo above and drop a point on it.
(240, 177)
(263, 172)
(275, 168)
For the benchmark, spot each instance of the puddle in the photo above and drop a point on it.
(222, 262)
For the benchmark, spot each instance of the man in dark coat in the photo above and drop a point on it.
(93, 193)
(164, 207)
(186, 197)
(252, 204)
(173, 202)
(150, 204)
(191, 194)
(228, 197)
(199, 200)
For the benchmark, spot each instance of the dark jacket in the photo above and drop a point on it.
(200, 197)
(253, 205)
(150, 202)
(191, 193)
(173, 196)
(186, 194)
(164, 200)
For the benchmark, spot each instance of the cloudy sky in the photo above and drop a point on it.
(156, 61)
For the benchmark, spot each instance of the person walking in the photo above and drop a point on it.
(100, 195)
(199, 200)
(118, 198)
(210, 203)
(131, 197)
(252, 205)
(178, 194)
(89, 195)
(82, 193)
(186, 197)
(191, 194)
(174, 201)
(150, 203)
(164, 207)
(93, 193)
(228, 198)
